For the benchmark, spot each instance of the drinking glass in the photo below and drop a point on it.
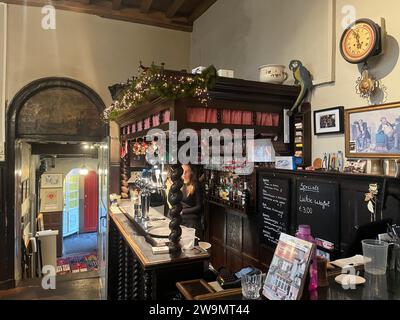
(251, 285)
(375, 254)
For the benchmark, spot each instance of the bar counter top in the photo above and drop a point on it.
(136, 239)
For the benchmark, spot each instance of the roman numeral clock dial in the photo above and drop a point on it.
(360, 41)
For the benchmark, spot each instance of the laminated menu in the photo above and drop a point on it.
(288, 270)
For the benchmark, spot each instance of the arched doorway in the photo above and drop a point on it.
(49, 110)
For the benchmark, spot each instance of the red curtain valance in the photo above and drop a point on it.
(203, 115)
(156, 120)
(267, 119)
(167, 116)
(237, 117)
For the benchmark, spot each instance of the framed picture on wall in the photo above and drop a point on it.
(373, 131)
(51, 200)
(51, 180)
(328, 121)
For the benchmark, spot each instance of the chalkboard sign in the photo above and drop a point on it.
(274, 208)
(317, 205)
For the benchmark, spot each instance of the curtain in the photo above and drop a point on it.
(267, 119)
(203, 115)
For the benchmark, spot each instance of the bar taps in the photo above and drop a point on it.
(150, 182)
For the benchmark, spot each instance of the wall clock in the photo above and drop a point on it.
(361, 41)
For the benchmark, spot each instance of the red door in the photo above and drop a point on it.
(91, 202)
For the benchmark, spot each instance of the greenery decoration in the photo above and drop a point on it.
(156, 81)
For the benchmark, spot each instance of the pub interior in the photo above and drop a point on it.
(199, 150)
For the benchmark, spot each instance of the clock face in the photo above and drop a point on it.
(359, 42)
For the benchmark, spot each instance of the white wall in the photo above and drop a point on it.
(242, 34)
(96, 51)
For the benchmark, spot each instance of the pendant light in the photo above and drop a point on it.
(83, 171)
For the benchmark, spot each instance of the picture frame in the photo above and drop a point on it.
(51, 200)
(329, 121)
(373, 132)
(356, 166)
(51, 180)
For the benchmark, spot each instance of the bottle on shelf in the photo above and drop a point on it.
(340, 161)
(230, 191)
(246, 195)
(212, 184)
(304, 232)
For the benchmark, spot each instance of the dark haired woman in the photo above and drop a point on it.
(192, 201)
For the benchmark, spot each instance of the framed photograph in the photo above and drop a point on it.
(373, 131)
(51, 180)
(356, 166)
(51, 200)
(328, 121)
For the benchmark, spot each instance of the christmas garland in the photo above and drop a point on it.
(155, 81)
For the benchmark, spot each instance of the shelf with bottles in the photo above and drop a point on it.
(302, 135)
(229, 190)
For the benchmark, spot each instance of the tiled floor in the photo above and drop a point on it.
(80, 243)
(70, 287)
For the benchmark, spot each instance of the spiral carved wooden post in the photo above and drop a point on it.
(175, 198)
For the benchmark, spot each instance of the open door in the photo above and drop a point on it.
(103, 176)
(71, 203)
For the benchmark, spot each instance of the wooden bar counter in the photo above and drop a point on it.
(135, 273)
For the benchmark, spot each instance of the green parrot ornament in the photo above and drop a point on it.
(303, 78)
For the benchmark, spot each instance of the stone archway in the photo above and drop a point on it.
(49, 109)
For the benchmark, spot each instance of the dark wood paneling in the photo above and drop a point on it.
(251, 239)
(234, 231)
(234, 261)
(242, 247)
(54, 221)
(217, 254)
(115, 178)
(217, 223)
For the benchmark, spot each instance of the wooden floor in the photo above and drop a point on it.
(81, 286)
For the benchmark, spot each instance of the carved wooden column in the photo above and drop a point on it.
(125, 176)
(120, 269)
(136, 279)
(175, 198)
(148, 285)
(127, 273)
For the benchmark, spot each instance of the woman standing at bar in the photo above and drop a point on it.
(192, 201)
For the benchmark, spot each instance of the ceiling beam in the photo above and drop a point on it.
(174, 8)
(116, 4)
(146, 6)
(104, 9)
(62, 149)
(200, 9)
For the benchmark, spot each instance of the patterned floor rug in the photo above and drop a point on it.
(77, 263)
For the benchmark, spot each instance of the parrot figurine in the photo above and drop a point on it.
(303, 78)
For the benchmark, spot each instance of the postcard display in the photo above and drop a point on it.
(288, 271)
